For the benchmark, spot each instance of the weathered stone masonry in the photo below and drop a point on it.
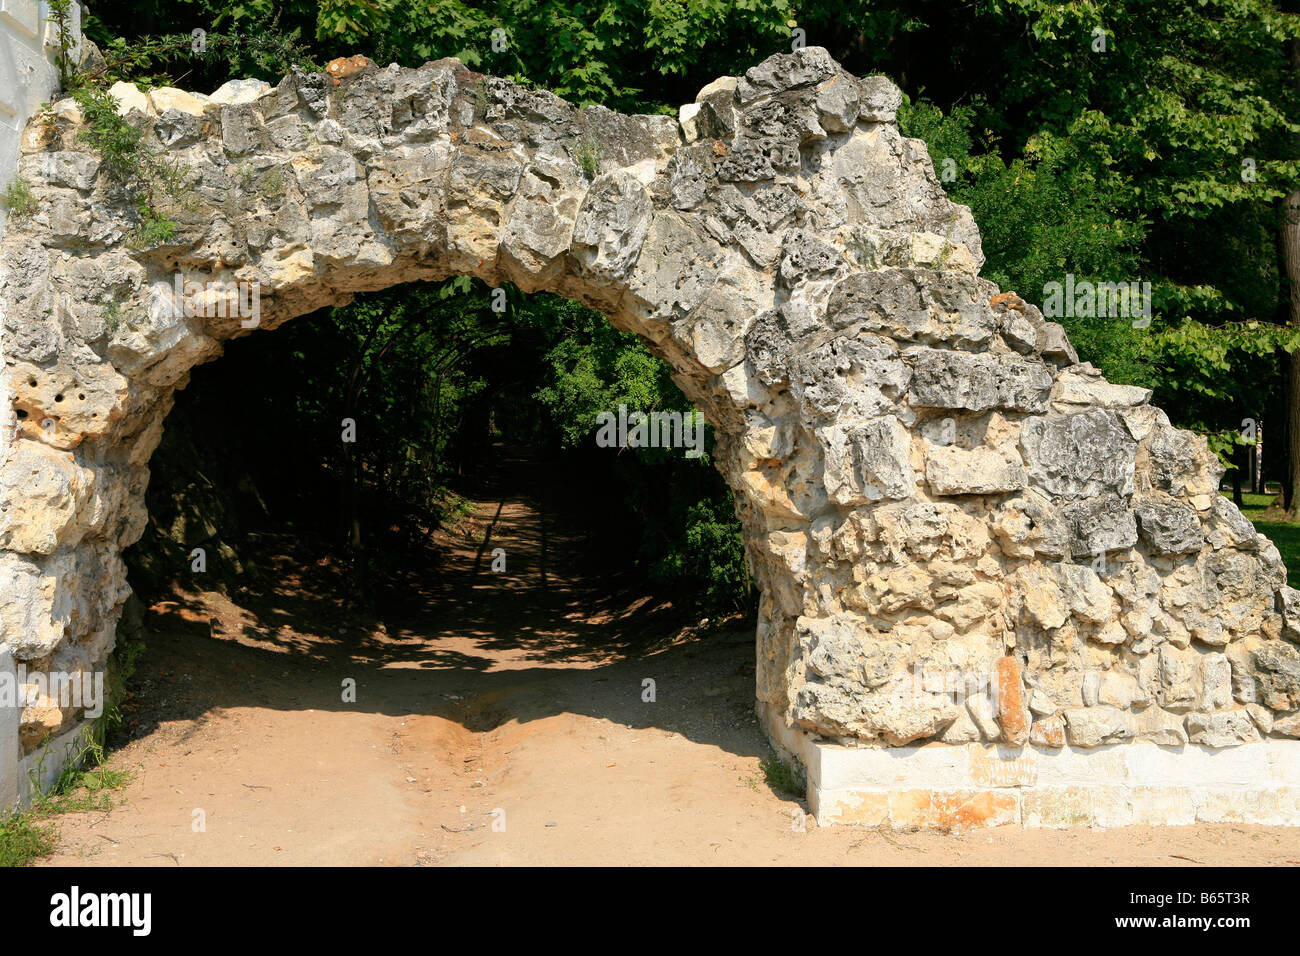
(930, 483)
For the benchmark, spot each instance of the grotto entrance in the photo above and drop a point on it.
(405, 423)
(926, 476)
(454, 684)
(393, 176)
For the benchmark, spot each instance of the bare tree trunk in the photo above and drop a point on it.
(1291, 256)
(1257, 461)
(1238, 454)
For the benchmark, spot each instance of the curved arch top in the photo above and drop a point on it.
(931, 486)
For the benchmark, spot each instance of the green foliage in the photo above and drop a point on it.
(129, 159)
(18, 198)
(783, 778)
(1041, 216)
(710, 555)
(118, 673)
(591, 367)
(695, 546)
(61, 17)
(1218, 375)
(23, 842)
(153, 229)
(622, 53)
(119, 144)
(258, 47)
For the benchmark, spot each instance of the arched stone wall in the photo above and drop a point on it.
(931, 487)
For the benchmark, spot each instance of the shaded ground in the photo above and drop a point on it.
(513, 699)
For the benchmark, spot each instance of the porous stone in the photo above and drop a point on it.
(130, 97)
(1170, 528)
(942, 379)
(979, 471)
(930, 485)
(880, 99)
(1081, 455)
(1225, 729)
(1099, 525)
(1094, 726)
(868, 462)
(1075, 389)
(238, 92)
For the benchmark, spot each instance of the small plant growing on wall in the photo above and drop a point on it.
(587, 154)
(65, 42)
(154, 228)
(122, 147)
(18, 198)
(112, 313)
(49, 122)
(782, 777)
(273, 185)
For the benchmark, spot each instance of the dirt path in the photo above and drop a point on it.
(511, 698)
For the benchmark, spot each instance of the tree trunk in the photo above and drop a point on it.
(1257, 461)
(1291, 256)
(1239, 453)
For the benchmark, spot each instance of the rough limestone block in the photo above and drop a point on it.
(794, 260)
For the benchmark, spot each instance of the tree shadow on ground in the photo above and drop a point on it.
(550, 634)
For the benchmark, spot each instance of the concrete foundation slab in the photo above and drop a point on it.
(40, 769)
(943, 786)
(10, 718)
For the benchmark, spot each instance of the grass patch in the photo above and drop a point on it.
(80, 791)
(30, 835)
(783, 778)
(1257, 506)
(22, 842)
(27, 836)
(1286, 535)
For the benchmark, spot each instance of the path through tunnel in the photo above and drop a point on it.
(535, 589)
(375, 439)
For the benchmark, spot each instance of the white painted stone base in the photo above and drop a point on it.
(10, 719)
(40, 769)
(942, 786)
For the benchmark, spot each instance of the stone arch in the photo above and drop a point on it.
(927, 479)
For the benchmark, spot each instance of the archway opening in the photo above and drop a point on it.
(370, 430)
(502, 573)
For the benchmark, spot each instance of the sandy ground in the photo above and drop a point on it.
(498, 719)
